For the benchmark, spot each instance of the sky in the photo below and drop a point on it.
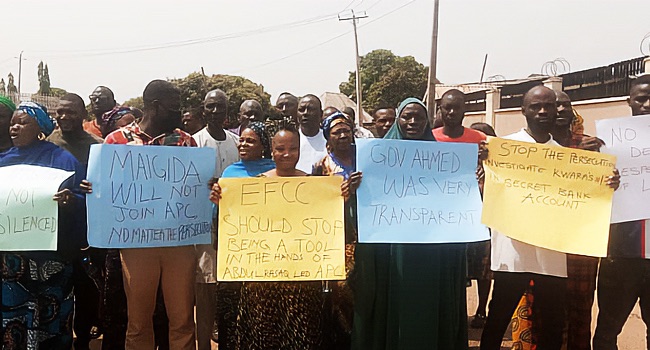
(301, 46)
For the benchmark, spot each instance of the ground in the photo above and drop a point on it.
(632, 337)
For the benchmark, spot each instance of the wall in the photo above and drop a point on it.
(510, 120)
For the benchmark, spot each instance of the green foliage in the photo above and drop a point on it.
(57, 92)
(135, 102)
(387, 79)
(196, 85)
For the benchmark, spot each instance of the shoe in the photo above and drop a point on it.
(215, 333)
(478, 321)
(95, 332)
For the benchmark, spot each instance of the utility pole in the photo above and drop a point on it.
(20, 70)
(354, 19)
(483, 70)
(431, 96)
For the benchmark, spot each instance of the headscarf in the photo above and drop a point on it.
(260, 130)
(39, 113)
(331, 121)
(396, 133)
(116, 114)
(5, 101)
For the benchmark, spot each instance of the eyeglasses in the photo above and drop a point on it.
(96, 98)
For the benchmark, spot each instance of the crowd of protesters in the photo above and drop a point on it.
(396, 296)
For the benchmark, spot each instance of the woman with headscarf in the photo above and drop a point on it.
(282, 315)
(7, 108)
(339, 133)
(410, 296)
(36, 285)
(116, 118)
(255, 154)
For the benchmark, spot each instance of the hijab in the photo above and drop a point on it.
(396, 133)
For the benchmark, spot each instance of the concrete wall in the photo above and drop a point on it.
(510, 120)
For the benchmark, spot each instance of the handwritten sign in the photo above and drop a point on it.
(629, 140)
(149, 196)
(548, 196)
(28, 215)
(418, 192)
(281, 229)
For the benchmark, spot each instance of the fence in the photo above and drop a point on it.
(50, 102)
(602, 82)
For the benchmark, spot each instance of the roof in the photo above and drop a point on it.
(340, 101)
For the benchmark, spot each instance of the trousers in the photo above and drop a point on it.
(143, 269)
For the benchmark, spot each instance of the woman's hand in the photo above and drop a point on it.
(215, 193)
(64, 197)
(615, 180)
(350, 186)
(86, 187)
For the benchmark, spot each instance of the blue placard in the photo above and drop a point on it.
(149, 196)
(418, 192)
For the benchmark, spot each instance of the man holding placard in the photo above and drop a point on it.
(623, 276)
(516, 263)
(70, 114)
(173, 267)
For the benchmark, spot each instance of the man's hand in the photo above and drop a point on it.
(615, 180)
(591, 143)
(86, 187)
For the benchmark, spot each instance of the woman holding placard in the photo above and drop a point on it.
(410, 296)
(37, 298)
(255, 154)
(280, 315)
(339, 133)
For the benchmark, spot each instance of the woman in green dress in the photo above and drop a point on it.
(409, 296)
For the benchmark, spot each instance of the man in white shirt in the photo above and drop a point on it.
(516, 263)
(313, 146)
(225, 143)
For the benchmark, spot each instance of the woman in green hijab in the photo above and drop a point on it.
(410, 296)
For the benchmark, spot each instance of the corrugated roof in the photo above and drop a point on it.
(340, 101)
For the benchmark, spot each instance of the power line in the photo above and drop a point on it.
(350, 4)
(123, 50)
(373, 5)
(323, 42)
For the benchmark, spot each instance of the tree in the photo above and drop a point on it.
(135, 102)
(57, 92)
(43, 79)
(387, 79)
(196, 85)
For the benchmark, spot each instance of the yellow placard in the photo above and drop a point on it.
(548, 196)
(281, 229)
